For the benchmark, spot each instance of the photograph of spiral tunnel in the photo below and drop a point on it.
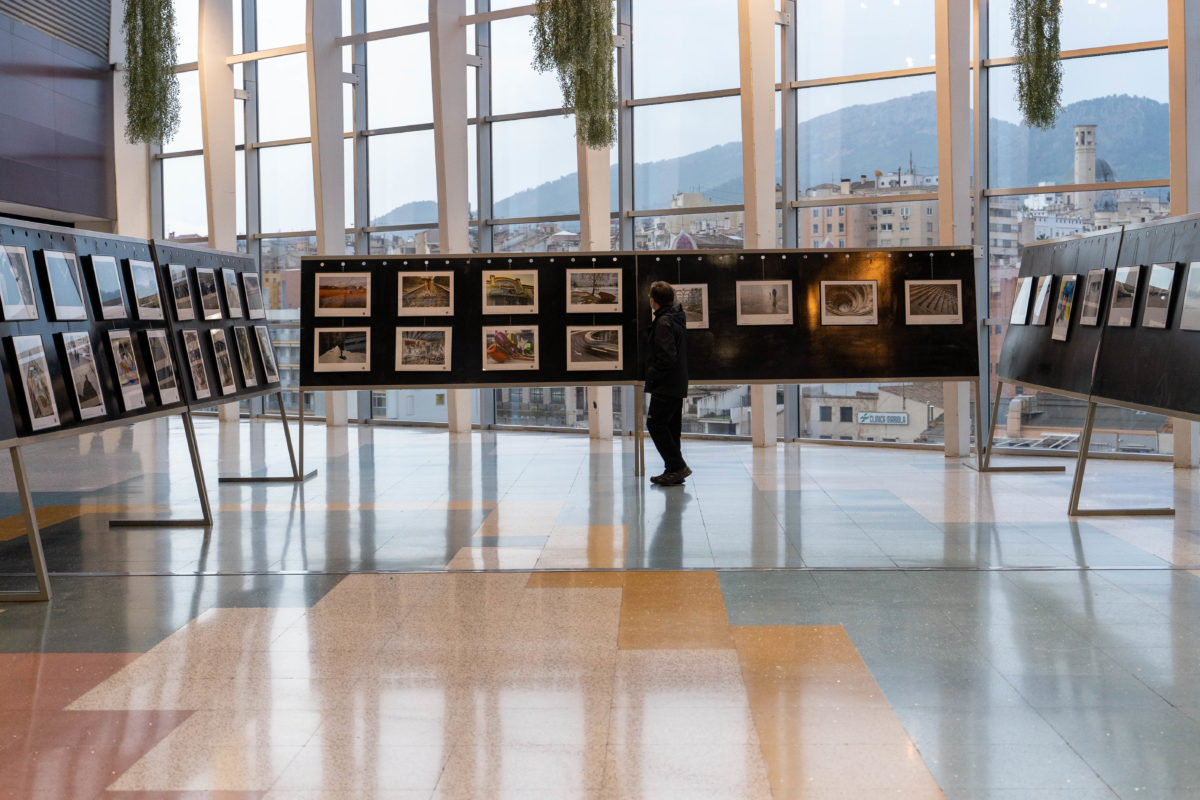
(849, 303)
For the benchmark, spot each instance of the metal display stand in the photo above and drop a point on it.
(297, 476)
(206, 520)
(985, 453)
(33, 533)
(1077, 486)
(639, 439)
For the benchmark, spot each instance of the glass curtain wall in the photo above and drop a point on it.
(1103, 165)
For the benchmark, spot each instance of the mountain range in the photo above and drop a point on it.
(1131, 136)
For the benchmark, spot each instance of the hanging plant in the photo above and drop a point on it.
(575, 39)
(152, 90)
(1039, 71)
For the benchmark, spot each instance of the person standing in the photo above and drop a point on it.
(667, 382)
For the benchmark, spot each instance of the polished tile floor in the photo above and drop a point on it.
(515, 615)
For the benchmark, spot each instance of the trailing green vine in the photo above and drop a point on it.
(575, 39)
(152, 90)
(1035, 25)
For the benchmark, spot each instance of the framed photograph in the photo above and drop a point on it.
(17, 299)
(1041, 301)
(195, 359)
(163, 366)
(210, 303)
(425, 294)
(764, 302)
(255, 309)
(933, 302)
(1124, 293)
(66, 287)
(108, 287)
(342, 350)
(1063, 307)
(1157, 310)
(267, 350)
(224, 361)
(423, 349)
(594, 347)
(181, 291)
(1189, 320)
(510, 291)
(145, 290)
(1093, 293)
(510, 348)
(1020, 309)
(593, 291)
(245, 355)
(343, 294)
(128, 377)
(35, 380)
(849, 302)
(233, 293)
(85, 377)
(694, 299)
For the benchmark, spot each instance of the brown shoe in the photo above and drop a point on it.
(670, 479)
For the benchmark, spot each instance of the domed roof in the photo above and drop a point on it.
(683, 241)
(1104, 173)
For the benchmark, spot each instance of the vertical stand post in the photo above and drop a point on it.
(1077, 485)
(35, 538)
(206, 520)
(639, 450)
(297, 476)
(985, 461)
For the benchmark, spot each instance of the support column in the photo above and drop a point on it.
(1183, 57)
(756, 52)
(323, 24)
(448, 53)
(952, 20)
(131, 162)
(595, 185)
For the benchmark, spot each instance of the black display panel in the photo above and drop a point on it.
(1030, 354)
(197, 261)
(339, 362)
(53, 325)
(808, 349)
(1149, 367)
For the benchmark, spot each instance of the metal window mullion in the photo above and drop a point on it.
(362, 174)
(1149, 183)
(157, 198)
(483, 130)
(864, 77)
(253, 179)
(1090, 52)
(625, 125)
(667, 99)
(981, 240)
(789, 145)
(863, 200)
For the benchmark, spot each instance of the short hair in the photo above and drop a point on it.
(662, 293)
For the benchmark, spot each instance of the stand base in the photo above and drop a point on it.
(267, 478)
(1123, 512)
(1058, 468)
(159, 523)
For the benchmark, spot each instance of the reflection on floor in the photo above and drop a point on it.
(516, 615)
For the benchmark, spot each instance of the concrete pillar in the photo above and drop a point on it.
(952, 21)
(131, 162)
(756, 52)
(1183, 56)
(595, 185)
(448, 54)
(763, 415)
(600, 412)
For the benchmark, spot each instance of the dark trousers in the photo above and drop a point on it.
(665, 423)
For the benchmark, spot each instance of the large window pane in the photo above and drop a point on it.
(287, 188)
(385, 14)
(187, 21)
(185, 210)
(1086, 23)
(1124, 96)
(902, 223)
(410, 405)
(407, 242)
(283, 98)
(403, 179)
(724, 230)
(550, 406)
(836, 39)
(718, 410)
(852, 130)
(516, 86)
(281, 271)
(399, 83)
(688, 154)
(534, 168)
(239, 164)
(280, 23)
(680, 48)
(847, 412)
(536, 237)
(190, 135)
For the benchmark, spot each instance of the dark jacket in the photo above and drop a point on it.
(666, 362)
